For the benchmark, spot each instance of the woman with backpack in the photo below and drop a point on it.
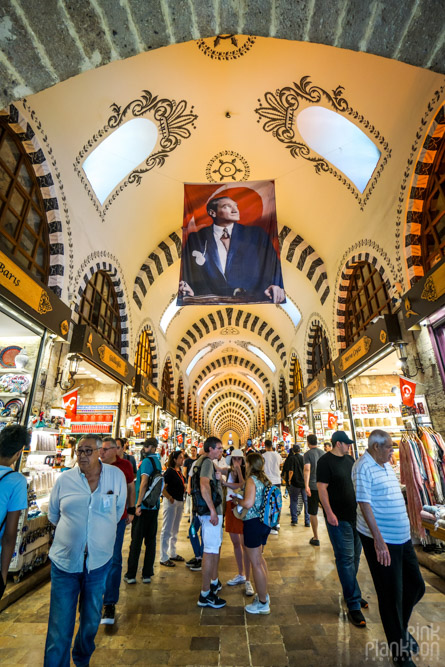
(173, 493)
(255, 531)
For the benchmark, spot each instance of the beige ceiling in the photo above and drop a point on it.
(386, 99)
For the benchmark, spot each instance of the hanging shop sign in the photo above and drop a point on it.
(36, 299)
(171, 407)
(146, 389)
(292, 406)
(90, 345)
(425, 297)
(184, 417)
(376, 338)
(270, 422)
(321, 382)
(280, 415)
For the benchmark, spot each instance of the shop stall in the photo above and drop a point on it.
(297, 419)
(32, 319)
(322, 414)
(368, 372)
(145, 404)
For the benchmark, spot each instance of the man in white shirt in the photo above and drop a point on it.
(86, 504)
(272, 468)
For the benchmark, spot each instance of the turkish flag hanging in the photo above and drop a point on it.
(408, 392)
(300, 430)
(284, 430)
(332, 420)
(137, 424)
(179, 438)
(69, 401)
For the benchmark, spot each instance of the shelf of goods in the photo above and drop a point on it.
(323, 430)
(382, 412)
(14, 385)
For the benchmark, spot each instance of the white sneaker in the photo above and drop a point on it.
(249, 588)
(256, 607)
(274, 532)
(239, 579)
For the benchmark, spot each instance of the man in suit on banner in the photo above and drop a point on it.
(230, 259)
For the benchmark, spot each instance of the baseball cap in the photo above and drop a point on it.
(340, 436)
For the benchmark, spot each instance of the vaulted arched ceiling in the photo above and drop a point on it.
(224, 95)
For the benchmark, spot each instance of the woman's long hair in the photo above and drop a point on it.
(172, 459)
(256, 463)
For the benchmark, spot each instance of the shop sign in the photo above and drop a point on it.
(375, 338)
(280, 415)
(322, 381)
(292, 406)
(171, 407)
(97, 407)
(143, 386)
(426, 296)
(18, 286)
(90, 345)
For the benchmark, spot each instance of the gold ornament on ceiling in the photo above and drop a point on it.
(226, 166)
(226, 47)
(229, 331)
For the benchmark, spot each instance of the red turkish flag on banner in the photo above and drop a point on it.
(179, 438)
(300, 430)
(137, 424)
(195, 443)
(332, 420)
(284, 430)
(189, 441)
(408, 392)
(69, 402)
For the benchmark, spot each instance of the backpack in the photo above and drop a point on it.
(199, 505)
(271, 506)
(154, 489)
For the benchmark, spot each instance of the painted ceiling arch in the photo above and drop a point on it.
(254, 80)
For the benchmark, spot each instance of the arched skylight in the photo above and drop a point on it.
(169, 314)
(118, 154)
(262, 356)
(340, 142)
(196, 358)
(292, 310)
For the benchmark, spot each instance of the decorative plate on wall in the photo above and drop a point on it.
(8, 355)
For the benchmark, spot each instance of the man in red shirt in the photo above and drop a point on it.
(108, 454)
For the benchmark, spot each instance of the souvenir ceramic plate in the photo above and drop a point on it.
(8, 355)
(15, 406)
(2, 405)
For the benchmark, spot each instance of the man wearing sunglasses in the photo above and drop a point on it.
(86, 505)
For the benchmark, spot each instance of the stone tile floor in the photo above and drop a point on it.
(160, 623)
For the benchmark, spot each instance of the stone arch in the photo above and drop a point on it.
(25, 133)
(294, 250)
(167, 369)
(343, 284)
(282, 393)
(180, 397)
(89, 267)
(229, 395)
(230, 382)
(231, 360)
(153, 347)
(293, 361)
(227, 319)
(274, 402)
(419, 187)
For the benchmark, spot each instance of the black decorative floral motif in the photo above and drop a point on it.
(279, 111)
(227, 165)
(226, 47)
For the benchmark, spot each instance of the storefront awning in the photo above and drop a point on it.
(96, 350)
(321, 382)
(426, 297)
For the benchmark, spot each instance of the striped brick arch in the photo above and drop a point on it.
(153, 349)
(294, 250)
(310, 343)
(343, 285)
(180, 394)
(231, 361)
(91, 269)
(229, 317)
(18, 124)
(292, 363)
(230, 382)
(228, 395)
(169, 366)
(416, 201)
(233, 414)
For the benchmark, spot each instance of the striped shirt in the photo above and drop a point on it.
(379, 487)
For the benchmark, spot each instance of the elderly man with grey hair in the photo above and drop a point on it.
(86, 505)
(383, 527)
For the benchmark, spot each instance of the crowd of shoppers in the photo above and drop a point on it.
(92, 503)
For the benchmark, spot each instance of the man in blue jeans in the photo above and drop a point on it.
(86, 504)
(337, 496)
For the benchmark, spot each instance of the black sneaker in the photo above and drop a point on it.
(108, 614)
(197, 566)
(211, 600)
(191, 562)
(216, 587)
(314, 542)
(356, 617)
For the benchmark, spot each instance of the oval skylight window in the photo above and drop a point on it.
(340, 142)
(118, 154)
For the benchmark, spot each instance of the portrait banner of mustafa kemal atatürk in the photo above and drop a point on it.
(230, 249)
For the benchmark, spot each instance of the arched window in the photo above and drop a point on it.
(180, 394)
(321, 354)
(100, 310)
(23, 223)
(143, 361)
(366, 299)
(166, 383)
(433, 215)
(283, 392)
(296, 379)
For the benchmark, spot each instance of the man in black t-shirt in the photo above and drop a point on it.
(296, 486)
(337, 496)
